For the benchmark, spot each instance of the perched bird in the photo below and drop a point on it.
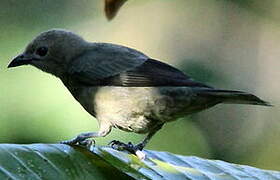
(122, 87)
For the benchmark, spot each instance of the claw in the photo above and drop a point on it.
(68, 142)
(121, 146)
(134, 149)
(116, 145)
(111, 143)
(74, 141)
(89, 143)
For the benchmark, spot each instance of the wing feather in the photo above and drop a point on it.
(152, 73)
(106, 64)
(104, 60)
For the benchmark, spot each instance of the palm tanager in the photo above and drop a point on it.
(122, 87)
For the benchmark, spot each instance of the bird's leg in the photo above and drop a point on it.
(134, 148)
(82, 139)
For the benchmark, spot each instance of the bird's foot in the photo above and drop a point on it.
(134, 149)
(80, 141)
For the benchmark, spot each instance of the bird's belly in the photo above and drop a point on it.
(127, 108)
(136, 109)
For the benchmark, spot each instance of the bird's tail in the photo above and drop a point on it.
(232, 97)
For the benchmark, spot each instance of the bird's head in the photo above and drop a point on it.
(51, 51)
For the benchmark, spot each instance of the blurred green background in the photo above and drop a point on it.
(230, 44)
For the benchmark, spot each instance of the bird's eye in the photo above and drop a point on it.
(42, 51)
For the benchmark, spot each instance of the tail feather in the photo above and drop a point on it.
(233, 97)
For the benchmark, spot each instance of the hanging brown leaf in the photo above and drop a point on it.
(112, 7)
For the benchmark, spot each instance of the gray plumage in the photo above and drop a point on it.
(122, 87)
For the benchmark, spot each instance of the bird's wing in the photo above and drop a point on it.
(152, 73)
(113, 65)
(104, 60)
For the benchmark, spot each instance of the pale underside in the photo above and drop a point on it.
(139, 109)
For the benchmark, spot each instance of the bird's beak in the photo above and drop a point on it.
(21, 59)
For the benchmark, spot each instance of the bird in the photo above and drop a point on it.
(122, 87)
